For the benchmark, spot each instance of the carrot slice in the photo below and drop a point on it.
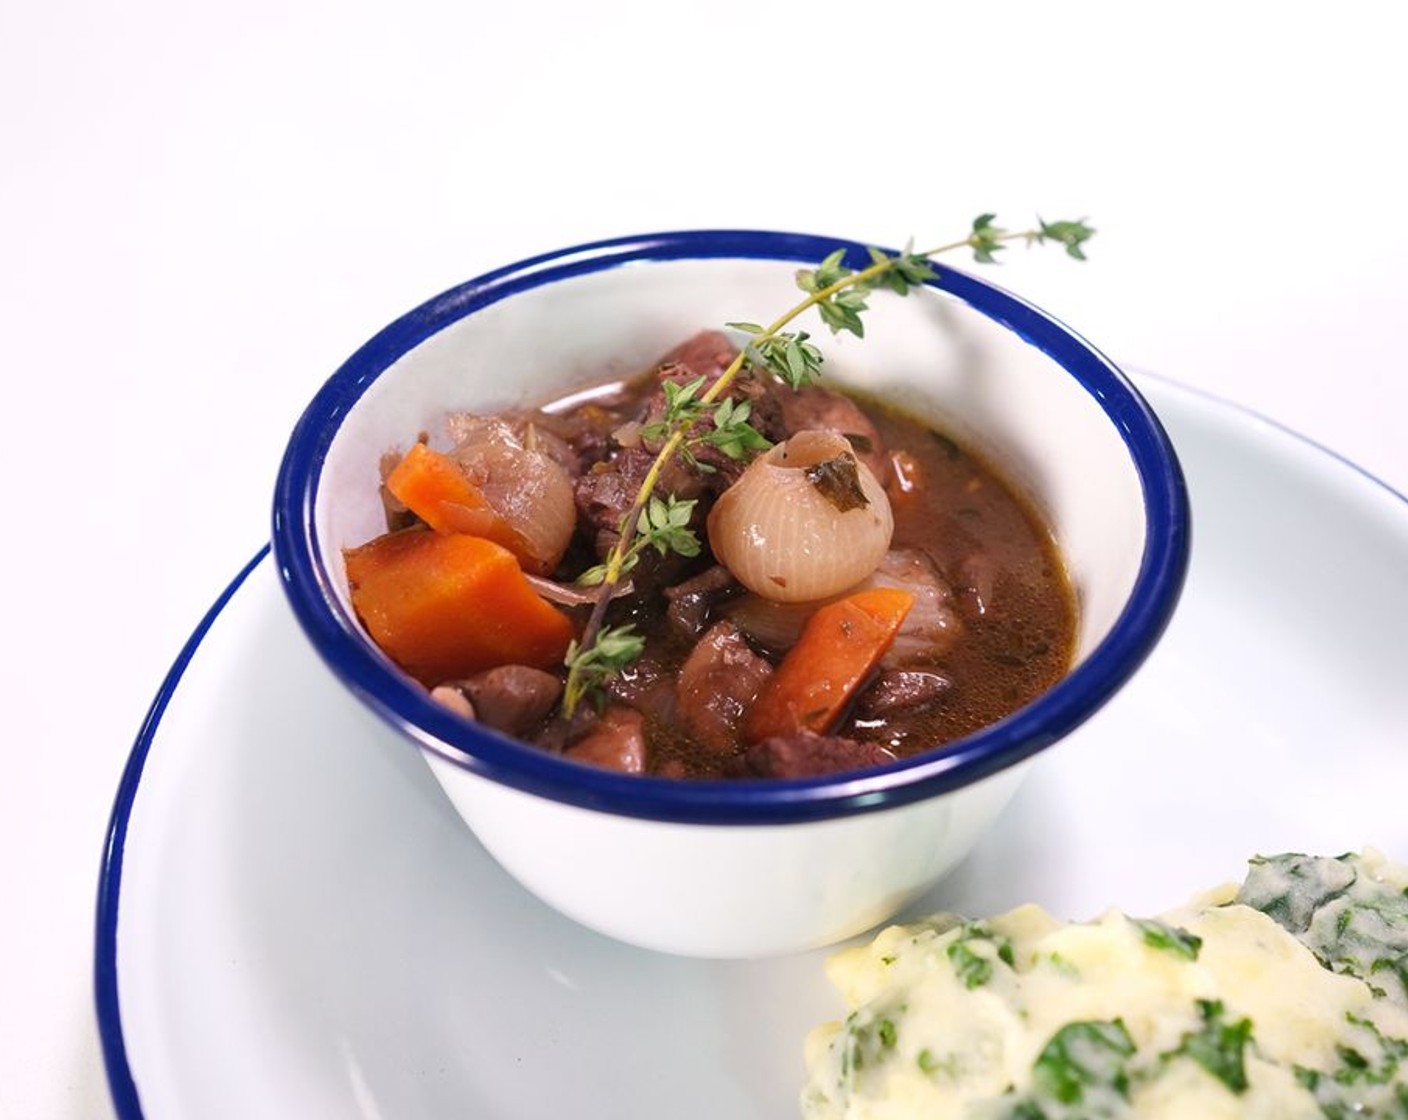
(445, 605)
(839, 647)
(435, 488)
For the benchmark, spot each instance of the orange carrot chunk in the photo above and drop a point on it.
(445, 605)
(840, 646)
(436, 489)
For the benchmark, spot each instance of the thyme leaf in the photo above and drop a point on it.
(788, 356)
(665, 527)
(838, 481)
(592, 667)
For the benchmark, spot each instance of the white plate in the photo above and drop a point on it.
(294, 923)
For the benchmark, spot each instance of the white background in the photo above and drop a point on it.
(205, 208)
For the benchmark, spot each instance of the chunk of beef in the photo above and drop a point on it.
(813, 407)
(718, 469)
(809, 755)
(606, 492)
(513, 699)
(689, 603)
(615, 742)
(765, 407)
(718, 681)
(648, 686)
(901, 690)
(706, 354)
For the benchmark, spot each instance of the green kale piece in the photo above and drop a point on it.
(1083, 1065)
(1354, 922)
(1218, 1046)
(974, 967)
(1171, 939)
(1371, 1082)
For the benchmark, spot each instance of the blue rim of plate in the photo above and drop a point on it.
(121, 1085)
(404, 705)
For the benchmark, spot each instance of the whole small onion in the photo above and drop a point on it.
(804, 521)
(528, 489)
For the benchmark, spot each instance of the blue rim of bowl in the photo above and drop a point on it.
(402, 703)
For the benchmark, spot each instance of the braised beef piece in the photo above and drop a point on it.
(706, 354)
(900, 690)
(814, 407)
(721, 470)
(615, 742)
(606, 492)
(513, 699)
(808, 755)
(717, 683)
(607, 487)
(587, 428)
(648, 686)
(688, 604)
(766, 412)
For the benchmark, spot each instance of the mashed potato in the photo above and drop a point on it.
(1287, 998)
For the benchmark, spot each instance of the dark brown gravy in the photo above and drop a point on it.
(1011, 588)
(1020, 641)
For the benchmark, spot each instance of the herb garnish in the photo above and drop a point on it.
(664, 526)
(613, 649)
(839, 294)
(838, 481)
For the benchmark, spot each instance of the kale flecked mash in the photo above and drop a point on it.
(1282, 999)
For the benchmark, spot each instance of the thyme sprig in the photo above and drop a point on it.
(731, 433)
(663, 526)
(613, 648)
(839, 294)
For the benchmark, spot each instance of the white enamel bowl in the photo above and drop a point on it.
(743, 868)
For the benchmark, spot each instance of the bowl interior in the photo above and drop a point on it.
(945, 362)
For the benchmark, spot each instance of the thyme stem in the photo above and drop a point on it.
(983, 240)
